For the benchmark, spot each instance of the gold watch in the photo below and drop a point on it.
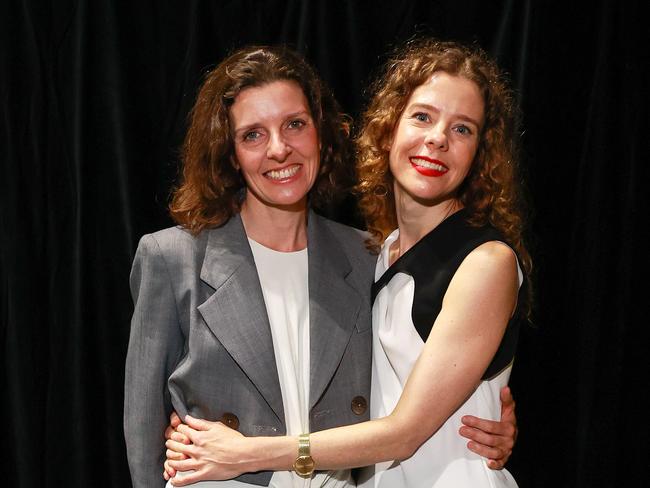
(304, 464)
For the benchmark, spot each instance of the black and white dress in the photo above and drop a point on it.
(407, 299)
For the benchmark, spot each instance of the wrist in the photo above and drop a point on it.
(304, 464)
(270, 453)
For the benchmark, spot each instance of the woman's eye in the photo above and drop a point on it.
(251, 135)
(296, 124)
(421, 117)
(463, 129)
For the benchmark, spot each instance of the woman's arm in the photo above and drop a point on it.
(491, 439)
(155, 345)
(475, 311)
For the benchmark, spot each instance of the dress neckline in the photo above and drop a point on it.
(445, 223)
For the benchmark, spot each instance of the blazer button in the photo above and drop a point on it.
(230, 420)
(359, 405)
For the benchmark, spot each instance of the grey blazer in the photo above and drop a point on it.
(201, 344)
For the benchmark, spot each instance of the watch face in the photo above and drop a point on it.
(304, 465)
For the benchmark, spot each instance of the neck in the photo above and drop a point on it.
(279, 228)
(416, 219)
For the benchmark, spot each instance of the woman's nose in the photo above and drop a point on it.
(278, 148)
(436, 137)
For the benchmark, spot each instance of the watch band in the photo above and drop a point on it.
(303, 445)
(304, 463)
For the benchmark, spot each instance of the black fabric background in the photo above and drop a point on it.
(94, 97)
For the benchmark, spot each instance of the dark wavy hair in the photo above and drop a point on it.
(209, 191)
(491, 191)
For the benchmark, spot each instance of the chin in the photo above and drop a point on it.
(289, 203)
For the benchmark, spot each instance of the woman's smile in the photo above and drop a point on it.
(283, 175)
(428, 166)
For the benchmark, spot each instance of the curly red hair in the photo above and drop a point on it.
(491, 190)
(210, 189)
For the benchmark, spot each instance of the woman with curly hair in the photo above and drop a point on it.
(437, 161)
(254, 311)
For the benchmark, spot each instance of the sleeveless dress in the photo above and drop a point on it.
(407, 298)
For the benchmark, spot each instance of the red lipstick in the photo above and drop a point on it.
(439, 169)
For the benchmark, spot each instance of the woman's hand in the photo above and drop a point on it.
(212, 452)
(172, 433)
(490, 439)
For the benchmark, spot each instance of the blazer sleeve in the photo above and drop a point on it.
(155, 346)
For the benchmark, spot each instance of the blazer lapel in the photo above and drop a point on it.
(333, 306)
(235, 312)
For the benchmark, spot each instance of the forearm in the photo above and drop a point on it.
(145, 467)
(385, 439)
(143, 433)
(339, 448)
(155, 344)
(420, 412)
(145, 418)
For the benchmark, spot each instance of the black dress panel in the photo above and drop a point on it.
(432, 263)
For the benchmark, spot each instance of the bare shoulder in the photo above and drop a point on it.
(490, 267)
(493, 256)
(485, 283)
(495, 252)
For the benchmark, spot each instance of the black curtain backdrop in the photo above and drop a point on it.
(94, 97)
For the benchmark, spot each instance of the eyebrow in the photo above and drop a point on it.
(253, 125)
(426, 106)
